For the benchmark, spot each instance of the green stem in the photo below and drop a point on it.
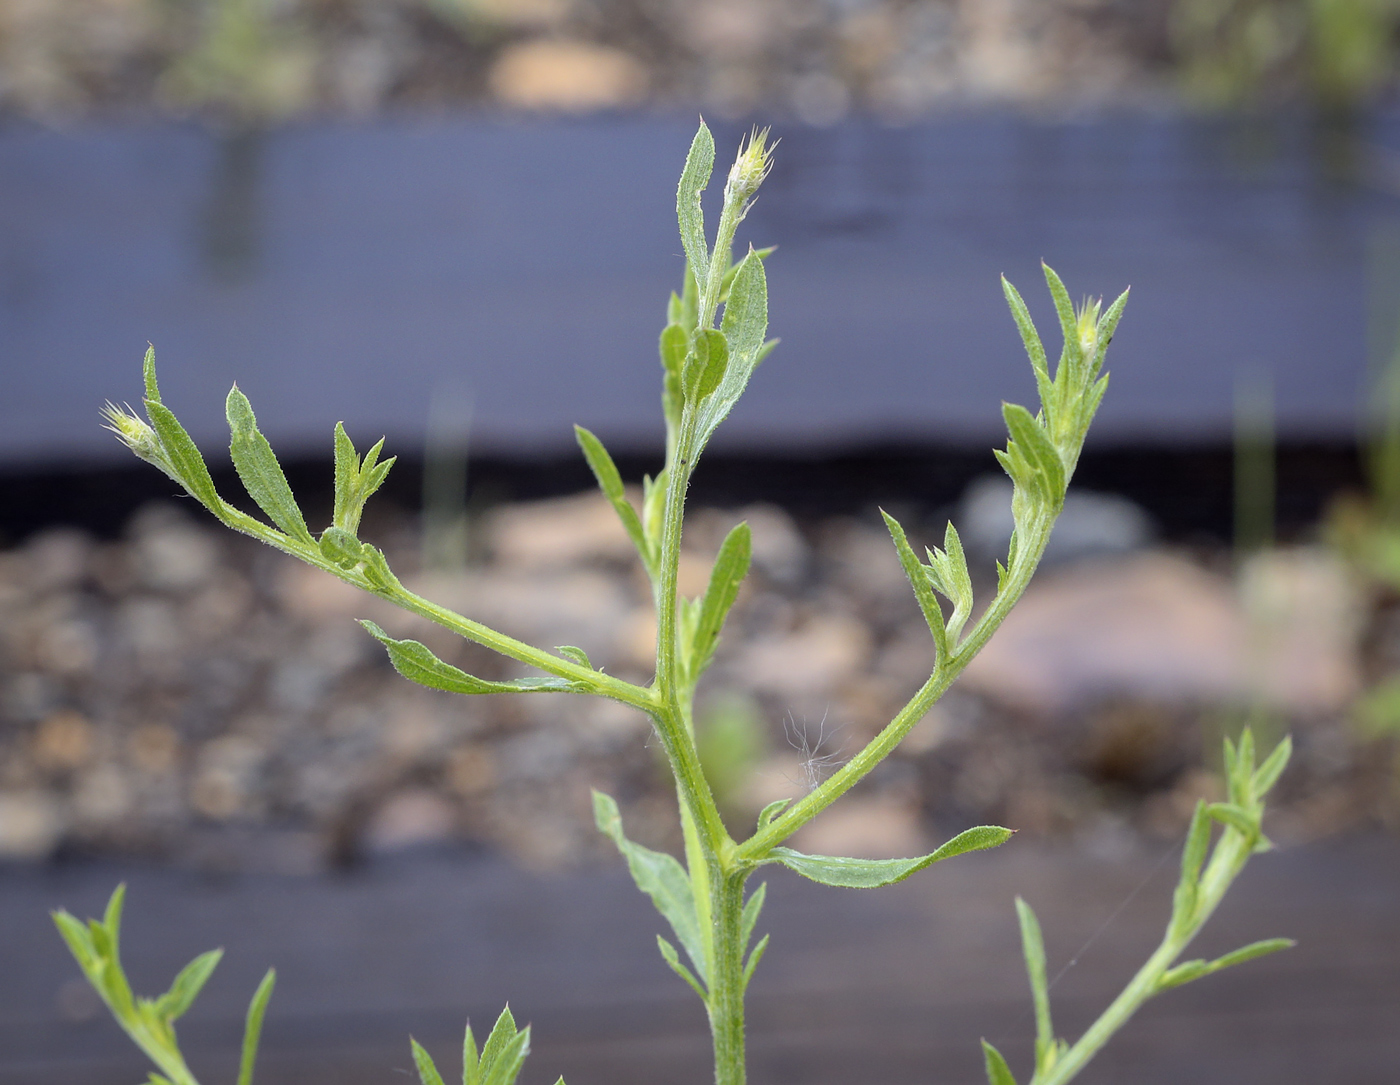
(1229, 859)
(726, 1001)
(853, 771)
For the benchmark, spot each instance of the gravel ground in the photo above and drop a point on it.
(181, 693)
(813, 59)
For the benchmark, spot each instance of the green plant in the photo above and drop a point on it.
(707, 360)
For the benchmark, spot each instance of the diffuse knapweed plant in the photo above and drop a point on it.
(715, 336)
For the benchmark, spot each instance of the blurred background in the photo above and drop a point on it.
(451, 222)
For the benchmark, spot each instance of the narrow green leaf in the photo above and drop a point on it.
(259, 470)
(998, 1073)
(148, 374)
(918, 578)
(112, 918)
(347, 476)
(771, 811)
(252, 1030)
(1197, 843)
(184, 457)
(1035, 349)
(505, 1067)
(1182, 973)
(427, 1071)
(1243, 775)
(727, 283)
(1234, 816)
(1039, 450)
(415, 662)
(730, 568)
(751, 965)
(188, 984)
(610, 482)
(1251, 952)
(75, 933)
(668, 953)
(575, 655)
(958, 579)
(745, 321)
(1069, 324)
(873, 873)
(1108, 324)
(752, 907)
(744, 326)
(699, 164)
(1033, 948)
(1267, 774)
(471, 1061)
(659, 876)
(502, 1033)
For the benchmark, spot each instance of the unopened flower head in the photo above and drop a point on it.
(137, 436)
(750, 168)
(1087, 326)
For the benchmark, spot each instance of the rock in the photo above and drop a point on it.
(31, 824)
(1156, 627)
(1152, 626)
(559, 533)
(811, 661)
(226, 775)
(570, 76)
(103, 796)
(1091, 524)
(56, 560)
(413, 817)
(172, 554)
(63, 742)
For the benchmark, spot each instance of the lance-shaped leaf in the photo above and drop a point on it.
(187, 985)
(415, 662)
(659, 876)
(731, 566)
(672, 958)
(751, 965)
(1267, 774)
(1194, 970)
(744, 326)
(1030, 438)
(749, 918)
(922, 584)
(259, 470)
(947, 568)
(427, 1070)
(1035, 349)
(610, 482)
(771, 811)
(504, 1053)
(184, 457)
(705, 365)
(1235, 817)
(1033, 948)
(699, 164)
(252, 1028)
(998, 1073)
(873, 873)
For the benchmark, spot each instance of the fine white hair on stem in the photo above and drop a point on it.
(815, 764)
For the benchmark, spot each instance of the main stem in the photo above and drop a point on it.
(726, 1001)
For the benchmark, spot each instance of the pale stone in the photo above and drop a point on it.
(31, 824)
(1153, 625)
(1156, 626)
(814, 659)
(415, 816)
(172, 554)
(63, 741)
(103, 795)
(571, 76)
(560, 532)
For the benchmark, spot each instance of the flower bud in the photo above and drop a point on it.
(750, 168)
